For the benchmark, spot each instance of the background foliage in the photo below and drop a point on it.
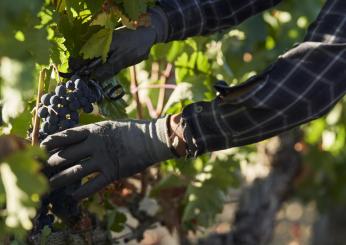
(35, 34)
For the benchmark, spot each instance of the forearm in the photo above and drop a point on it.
(301, 86)
(201, 17)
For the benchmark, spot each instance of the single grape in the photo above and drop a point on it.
(88, 108)
(63, 112)
(79, 84)
(74, 78)
(41, 135)
(60, 90)
(45, 128)
(87, 92)
(53, 109)
(92, 98)
(71, 97)
(63, 101)
(74, 116)
(53, 119)
(45, 99)
(70, 85)
(53, 128)
(64, 124)
(42, 112)
(54, 100)
(83, 101)
(80, 92)
(72, 123)
(74, 105)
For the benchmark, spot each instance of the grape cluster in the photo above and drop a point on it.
(59, 109)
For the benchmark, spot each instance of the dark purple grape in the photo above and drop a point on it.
(63, 112)
(53, 119)
(87, 92)
(88, 108)
(78, 94)
(74, 105)
(79, 84)
(74, 116)
(98, 96)
(53, 109)
(70, 85)
(45, 99)
(71, 97)
(48, 128)
(83, 101)
(41, 134)
(42, 112)
(60, 91)
(92, 98)
(54, 128)
(72, 123)
(63, 101)
(64, 124)
(74, 78)
(54, 100)
(45, 128)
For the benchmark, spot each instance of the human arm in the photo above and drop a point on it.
(302, 85)
(201, 17)
(172, 20)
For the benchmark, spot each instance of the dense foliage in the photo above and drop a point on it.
(175, 75)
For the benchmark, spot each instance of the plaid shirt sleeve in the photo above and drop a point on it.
(302, 85)
(199, 17)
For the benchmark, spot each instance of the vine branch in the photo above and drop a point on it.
(40, 89)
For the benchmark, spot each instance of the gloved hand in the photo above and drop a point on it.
(113, 149)
(129, 47)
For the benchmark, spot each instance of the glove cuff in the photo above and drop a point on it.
(162, 145)
(159, 22)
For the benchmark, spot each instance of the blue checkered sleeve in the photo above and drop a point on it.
(302, 85)
(199, 17)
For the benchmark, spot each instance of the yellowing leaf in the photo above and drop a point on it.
(98, 45)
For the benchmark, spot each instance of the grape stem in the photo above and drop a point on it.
(40, 89)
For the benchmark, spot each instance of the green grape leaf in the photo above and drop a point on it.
(87, 118)
(23, 185)
(21, 123)
(116, 220)
(37, 45)
(134, 8)
(98, 45)
(206, 197)
(113, 109)
(169, 181)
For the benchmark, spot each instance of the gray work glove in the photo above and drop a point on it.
(129, 47)
(113, 149)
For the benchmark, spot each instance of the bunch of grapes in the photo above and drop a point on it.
(59, 109)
